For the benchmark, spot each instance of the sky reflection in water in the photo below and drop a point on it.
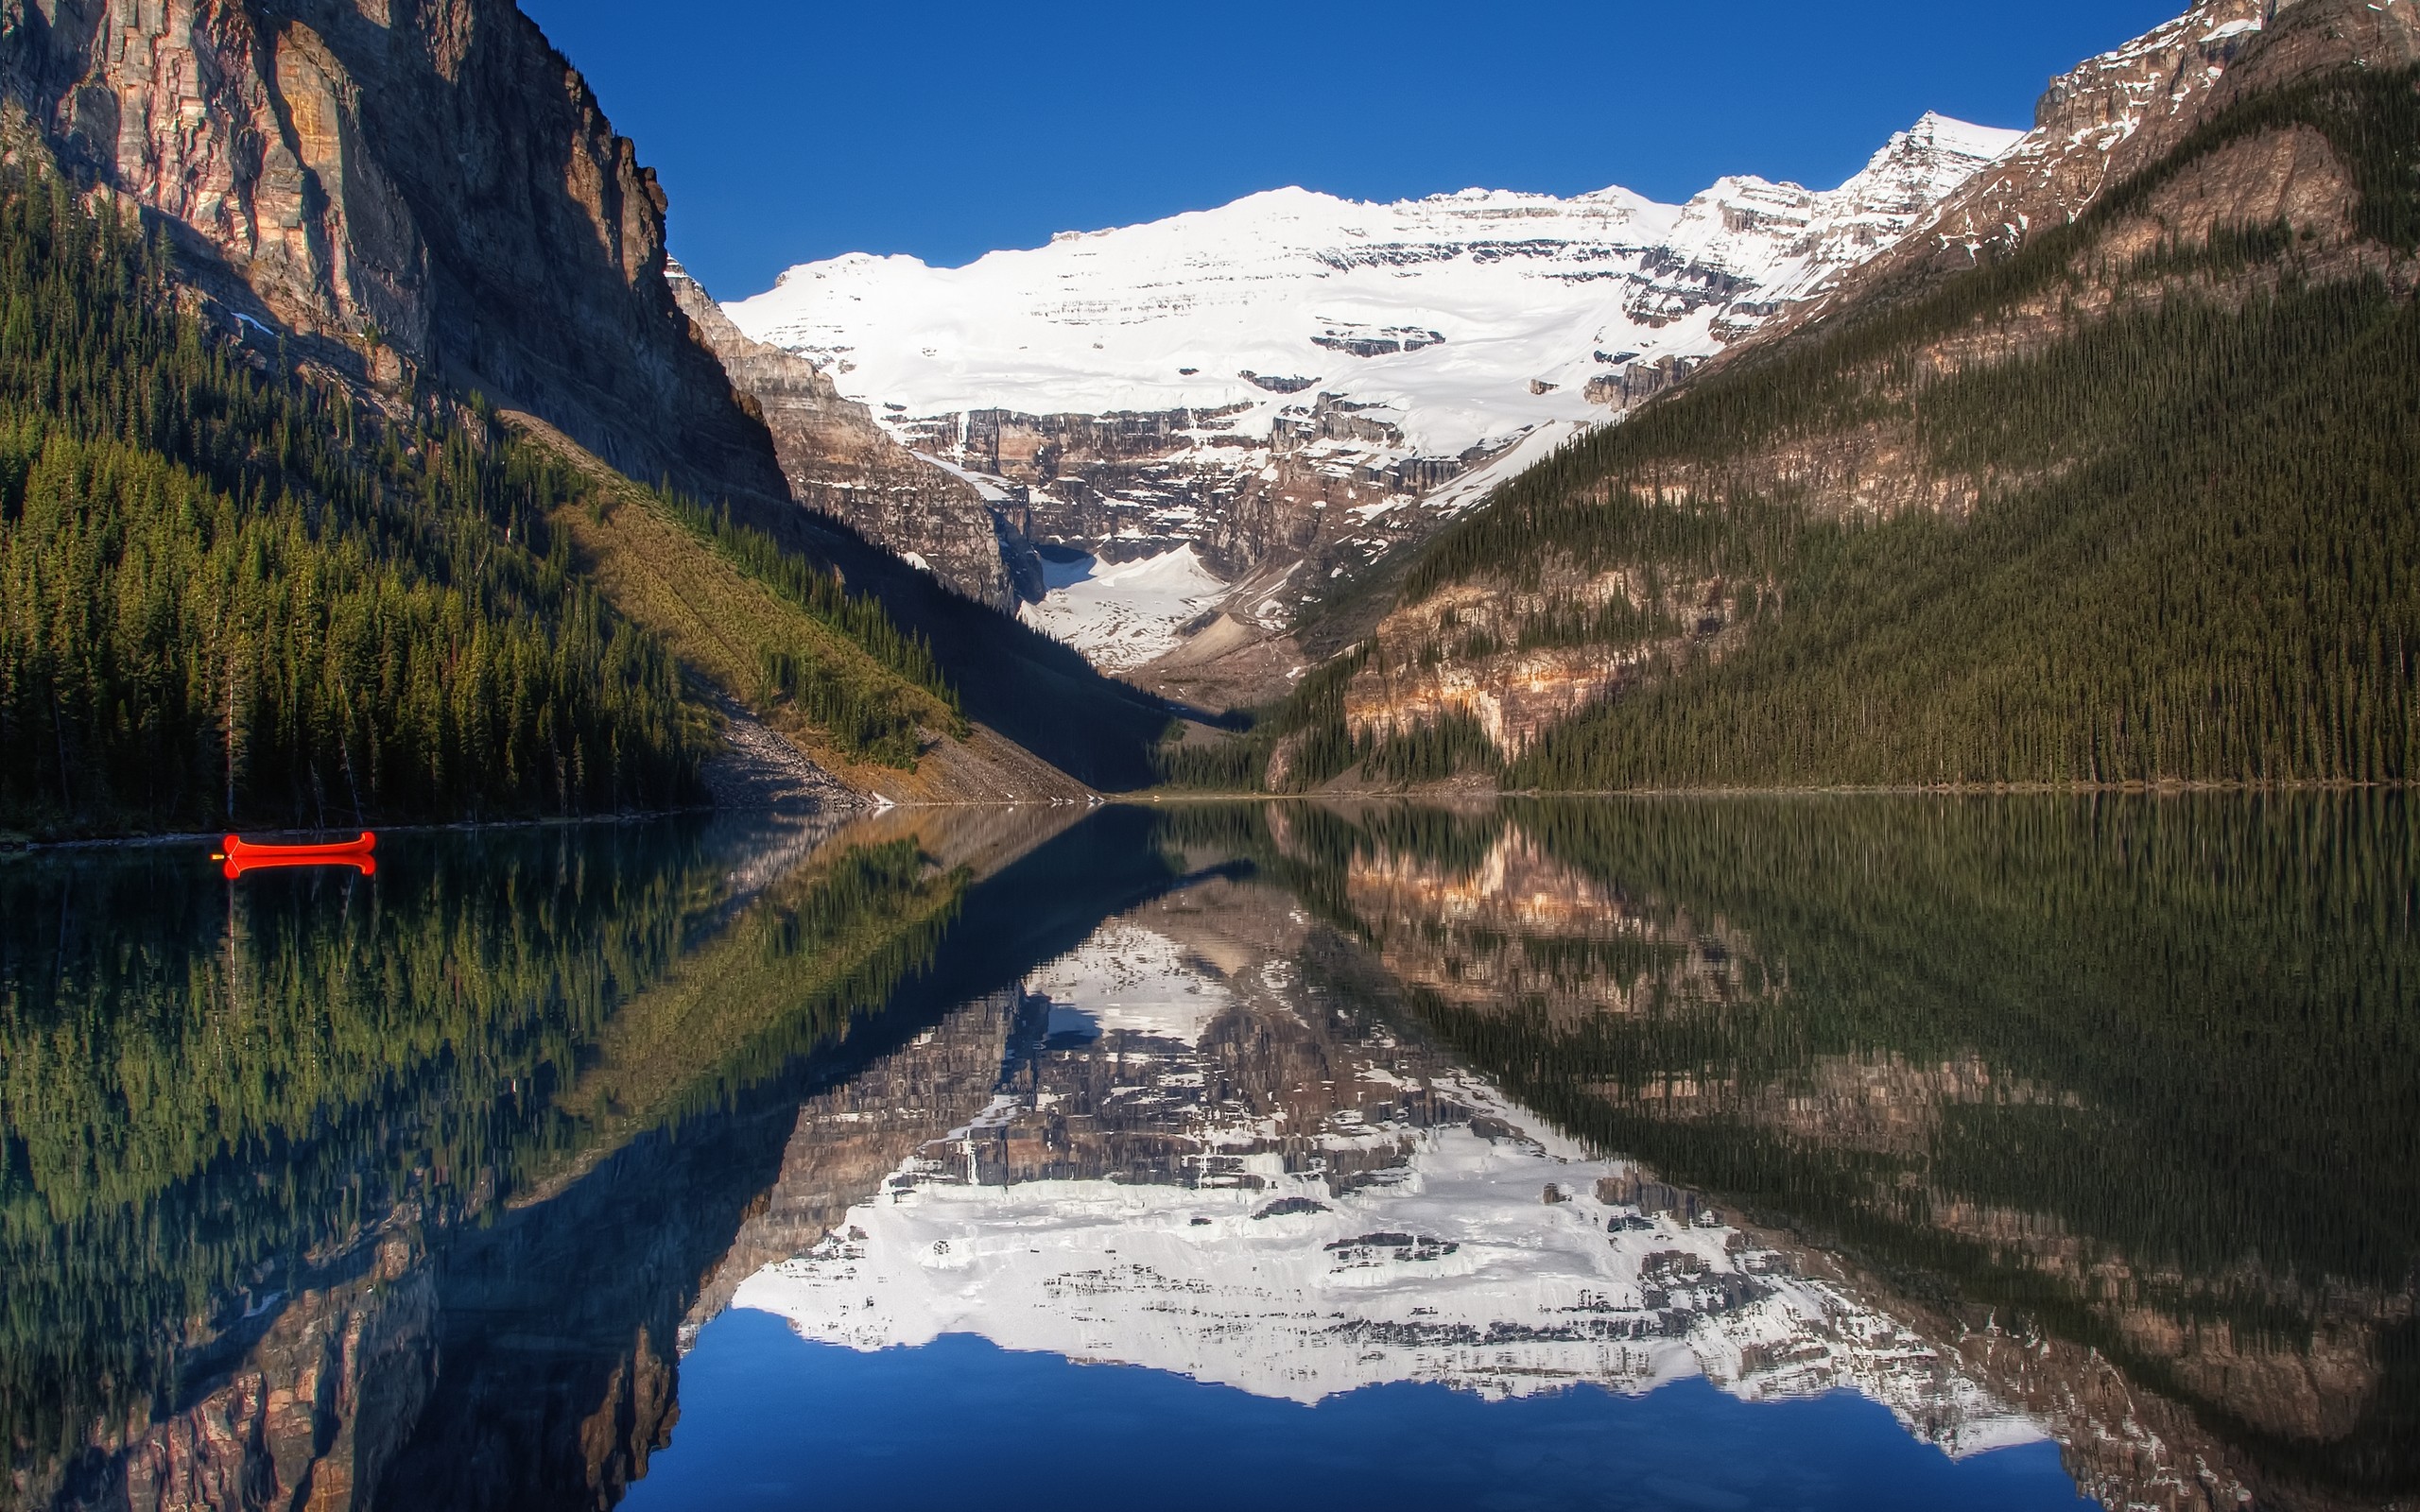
(772, 1423)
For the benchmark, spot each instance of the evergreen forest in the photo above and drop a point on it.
(828, 665)
(230, 595)
(234, 593)
(2174, 1032)
(2190, 555)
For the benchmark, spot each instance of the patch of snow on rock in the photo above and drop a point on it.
(1122, 615)
(1130, 979)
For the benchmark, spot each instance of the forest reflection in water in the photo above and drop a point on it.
(2130, 1082)
(2092, 1119)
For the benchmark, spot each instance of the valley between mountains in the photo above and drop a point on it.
(1238, 817)
(365, 456)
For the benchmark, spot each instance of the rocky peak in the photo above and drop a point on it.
(2115, 95)
(1914, 172)
(411, 187)
(2118, 113)
(1754, 248)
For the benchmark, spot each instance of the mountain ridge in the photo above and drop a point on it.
(2042, 516)
(400, 220)
(1730, 228)
(1295, 385)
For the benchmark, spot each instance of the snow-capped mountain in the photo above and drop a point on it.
(2096, 126)
(1293, 382)
(1449, 314)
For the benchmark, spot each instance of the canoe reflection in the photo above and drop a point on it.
(241, 856)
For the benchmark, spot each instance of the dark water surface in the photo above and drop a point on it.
(1763, 1153)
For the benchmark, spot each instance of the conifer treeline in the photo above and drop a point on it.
(1320, 744)
(865, 712)
(1309, 727)
(818, 590)
(235, 598)
(2199, 564)
(2217, 588)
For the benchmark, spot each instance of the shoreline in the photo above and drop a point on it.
(177, 838)
(1442, 793)
(12, 844)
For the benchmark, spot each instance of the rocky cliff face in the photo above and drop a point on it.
(1466, 651)
(416, 187)
(2117, 114)
(310, 1418)
(838, 459)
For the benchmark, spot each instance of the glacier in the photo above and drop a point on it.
(1527, 291)
(1296, 380)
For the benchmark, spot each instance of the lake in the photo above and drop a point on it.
(1762, 1152)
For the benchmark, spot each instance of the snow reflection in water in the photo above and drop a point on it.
(1201, 1160)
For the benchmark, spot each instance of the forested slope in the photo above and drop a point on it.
(236, 594)
(452, 213)
(231, 595)
(238, 591)
(1010, 679)
(2137, 501)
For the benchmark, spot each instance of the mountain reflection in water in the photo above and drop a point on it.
(1953, 1126)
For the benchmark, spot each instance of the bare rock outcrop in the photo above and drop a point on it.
(838, 461)
(2117, 114)
(309, 1417)
(414, 187)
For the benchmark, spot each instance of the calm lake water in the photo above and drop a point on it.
(2030, 1152)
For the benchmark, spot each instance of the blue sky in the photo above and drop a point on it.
(789, 131)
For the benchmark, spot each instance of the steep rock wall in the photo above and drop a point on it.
(838, 461)
(309, 1417)
(414, 186)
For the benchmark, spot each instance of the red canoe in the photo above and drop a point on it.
(243, 855)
